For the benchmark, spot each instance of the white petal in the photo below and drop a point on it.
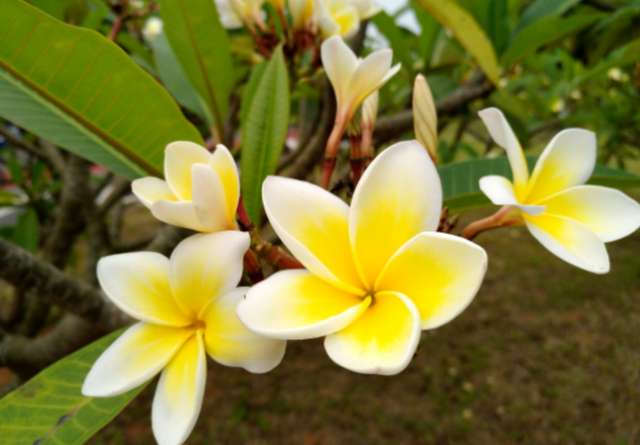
(230, 343)
(440, 273)
(205, 266)
(150, 190)
(313, 224)
(504, 136)
(135, 357)
(178, 159)
(223, 163)
(398, 197)
(178, 398)
(392, 72)
(568, 160)
(181, 214)
(209, 200)
(339, 64)
(382, 341)
(608, 213)
(296, 305)
(570, 241)
(138, 283)
(367, 77)
(500, 191)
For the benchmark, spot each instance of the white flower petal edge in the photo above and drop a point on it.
(205, 266)
(225, 166)
(382, 341)
(129, 361)
(500, 191)
(138, 283)
(178, 159)
(503, 135)
(339, 63)
(209, 200)
(398, 197)
(178, 398)
(296, 305)
(570, 241)
(149, 190)
(181, 214)
(567, 161)
(230, 343)
(608, 213)
(313, 224)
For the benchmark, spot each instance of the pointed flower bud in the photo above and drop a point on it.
(425, 118)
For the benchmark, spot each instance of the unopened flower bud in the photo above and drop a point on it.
(425, 119)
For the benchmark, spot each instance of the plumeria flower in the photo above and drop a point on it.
(378, 273)
(185, 306)
(301, 13)
(337, 18)
(201, 191)
(237, 13)
(569, 218)
(366, 8)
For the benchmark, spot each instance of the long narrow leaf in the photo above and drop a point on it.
(265, 129)
(77, 89)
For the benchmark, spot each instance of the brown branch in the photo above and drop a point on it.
(167, 238)
(121, 188)
(391, 127)
(17, 141)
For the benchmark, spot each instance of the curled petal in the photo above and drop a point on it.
(230, 343)
(138, 283)
(205, 266)
(500, 191)
(209, 200)
(150, 190)
(504, 136)
(382, 340)
(608, 213)
(225, 166)
(181, 214)
(179, 394)
(339, 63)
(570, 241)
(367, 77)
(398, 197)
(568, 160)
(440, 273)
(313, 224)
(296, 305)
(135, 357)
(178, 159)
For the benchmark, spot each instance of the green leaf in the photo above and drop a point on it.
(498, 24)
(50, 410)
(95, 17)
(250, 92)
(387, 26)
(265, 128)
(26, 234)
(176, 82)
(620, 58)
(201, 45)
(540, 9)
(461, 189)
(467, 31)
(430, 28)
(544, 32)
(55, 8)
(83, 93)
(16, 170)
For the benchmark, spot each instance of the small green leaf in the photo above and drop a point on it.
(544, 32)
(201, 44)
(619, 58)
(387, 26)
(467, 32)
(430, 28)
(540, 9)
(50, 410)
(265, 126)
(26, 234)
(83, 93)
(16, 170)
(461, 180)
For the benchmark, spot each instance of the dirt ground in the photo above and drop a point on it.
(546, 354)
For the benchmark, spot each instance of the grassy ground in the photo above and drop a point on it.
(546, 354)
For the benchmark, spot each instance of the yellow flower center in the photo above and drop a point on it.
(199, 324)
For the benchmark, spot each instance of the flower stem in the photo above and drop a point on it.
(505, 217)
(331, 152)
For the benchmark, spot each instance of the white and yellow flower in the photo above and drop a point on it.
(301, 13)
(186, 307)
(366, 8)
(152, 28)
(572, 220)
(354, 79)
(237, 13)
(378, 273)
(337, 18)
(201, 191)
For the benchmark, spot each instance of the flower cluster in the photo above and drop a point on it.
(376, 272)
